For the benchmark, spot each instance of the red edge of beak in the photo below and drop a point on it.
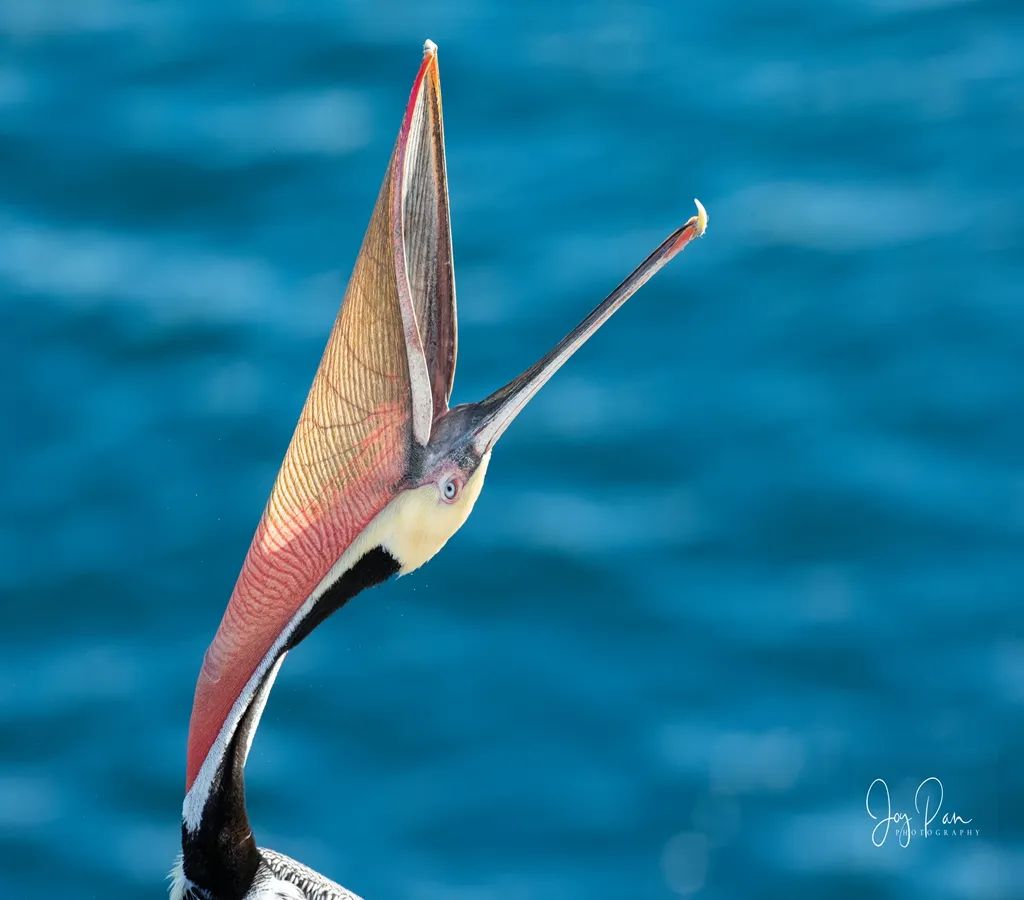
(429, 64)
(694, 228)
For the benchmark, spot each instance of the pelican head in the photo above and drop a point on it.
(379, 474)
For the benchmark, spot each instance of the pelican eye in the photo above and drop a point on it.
(449, 489)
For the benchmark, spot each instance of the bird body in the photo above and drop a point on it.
(277, 877)
(379, 474)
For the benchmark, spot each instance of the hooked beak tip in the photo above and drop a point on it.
(694, 228)
(700, 221)
(429, 48)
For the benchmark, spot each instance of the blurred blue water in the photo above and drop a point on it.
(759, 544)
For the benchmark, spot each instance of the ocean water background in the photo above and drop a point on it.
(759, 544)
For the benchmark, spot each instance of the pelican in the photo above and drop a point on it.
(379, 474)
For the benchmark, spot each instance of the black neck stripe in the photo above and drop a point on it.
(220, 856)
(374, 567)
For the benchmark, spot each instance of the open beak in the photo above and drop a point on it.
(494, 414)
